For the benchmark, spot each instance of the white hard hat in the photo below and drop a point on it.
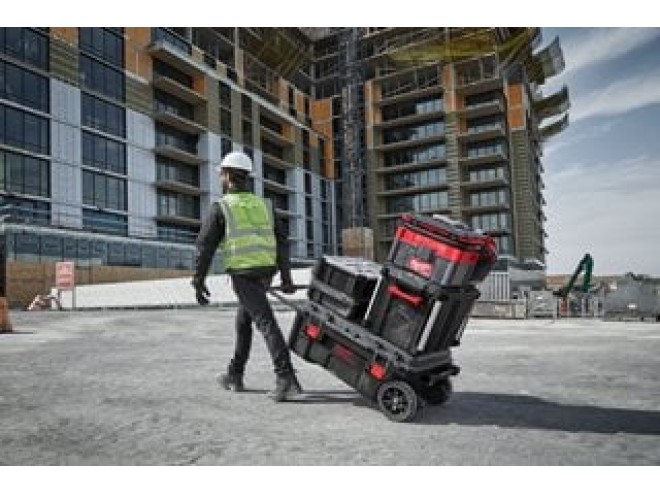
(236, 160)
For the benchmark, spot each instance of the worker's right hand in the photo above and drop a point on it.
(201, 292)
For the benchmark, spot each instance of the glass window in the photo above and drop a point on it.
(24, 130)
(225, 95)
(24, 174)
(97, 76)
(103, 43)
(104, 191)
(165, 102)
(24, 87)
(163, 69)
(168, 136)
(106, 222)
(103, 115)
(104, 153)
(26, 45)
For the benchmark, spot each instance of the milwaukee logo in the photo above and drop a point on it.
(420, 267)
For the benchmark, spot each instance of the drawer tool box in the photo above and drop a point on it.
(387, 330)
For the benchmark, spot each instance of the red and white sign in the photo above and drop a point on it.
(64, 275)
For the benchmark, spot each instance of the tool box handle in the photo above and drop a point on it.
(396, 292)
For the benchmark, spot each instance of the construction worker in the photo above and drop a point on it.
(253, 244)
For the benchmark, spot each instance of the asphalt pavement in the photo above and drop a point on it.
(138, 388)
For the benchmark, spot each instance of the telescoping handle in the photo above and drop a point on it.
(275, 292)
(409, 298)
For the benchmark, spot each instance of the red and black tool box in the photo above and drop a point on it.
(419, 317)
(442, 250)
(396, 380)
(344, 285)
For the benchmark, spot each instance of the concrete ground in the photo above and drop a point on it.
(138, 388)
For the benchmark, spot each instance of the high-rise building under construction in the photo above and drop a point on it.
(109, 138)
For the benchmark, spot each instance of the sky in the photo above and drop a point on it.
(602, 174)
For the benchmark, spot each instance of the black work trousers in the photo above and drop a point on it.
(254, 307)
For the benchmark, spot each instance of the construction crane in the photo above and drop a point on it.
(586, 264)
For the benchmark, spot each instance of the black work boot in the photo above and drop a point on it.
(231, 381)
(286, 387)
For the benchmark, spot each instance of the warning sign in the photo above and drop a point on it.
(64, 275)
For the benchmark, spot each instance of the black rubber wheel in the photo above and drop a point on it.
(398, 401)
(438, 393)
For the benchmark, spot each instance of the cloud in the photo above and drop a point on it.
(607, 209)
(619, 97)
(593, 46)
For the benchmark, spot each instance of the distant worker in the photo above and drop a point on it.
(253, 244)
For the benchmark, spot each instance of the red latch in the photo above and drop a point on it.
(396, 292)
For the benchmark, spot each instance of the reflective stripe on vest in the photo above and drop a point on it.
(249, 232)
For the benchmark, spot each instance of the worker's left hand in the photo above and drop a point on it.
(201, 292)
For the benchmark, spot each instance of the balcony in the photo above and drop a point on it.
(471, 185)
(275, 137)
(410, 94)
(414, 189)
(484, 109)
(176, 186)
(171, 54)
(503, 206)
(470, 86)
(475, 134)
(410, 119)
(441, 211)
(278, 186)
(177, 89)
(180, 123)
(488, 157)
(411, 142)
(169, 151)
(277, 162)
(411, 167)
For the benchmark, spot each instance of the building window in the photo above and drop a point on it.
(101, 78)
(166, 70)
(24, 174)
(491, 222)
(24, 130)
(103, 153)
(430, 201)
(104, 116)
(486, 148)
(173, 171)
(418, 107)
(172, 38)
(503, 244)
(165, 102)
(168, 136)
(247, 133)
(274, 174)
(104, 191)
(24, 87)
(487, 174)
(225, 94)
(246, 106)
(174, 204)
(105, 222)
(225, 146)
(279, 200)
(422, 131)
(489, 198)
(26, 210)
(292, 102)
(172, 232)
(419, 154)
(26, 45)
(225, 122)
(421, 178)
(103, 43)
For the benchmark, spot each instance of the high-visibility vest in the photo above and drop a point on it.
(249, 232)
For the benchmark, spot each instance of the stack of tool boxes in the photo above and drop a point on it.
(374, 325)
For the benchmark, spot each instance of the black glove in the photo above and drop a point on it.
(287, 286)
(201, 292)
